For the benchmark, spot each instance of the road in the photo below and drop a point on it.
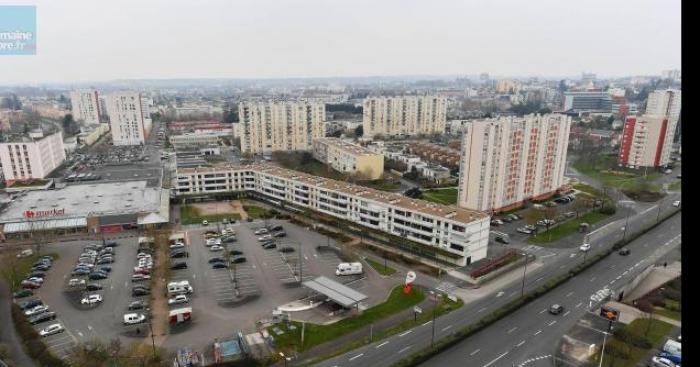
(388, 351)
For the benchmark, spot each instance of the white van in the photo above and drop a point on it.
(348, 269)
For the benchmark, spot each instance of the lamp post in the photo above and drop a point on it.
(627, 221)
(602, 352)
(522, 289)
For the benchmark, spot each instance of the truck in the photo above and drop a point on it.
(181, 287)
(348, 269)
(180, 315)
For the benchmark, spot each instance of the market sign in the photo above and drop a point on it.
(31, 214)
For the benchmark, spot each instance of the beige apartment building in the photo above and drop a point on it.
(349, 158)
(86, 106)
(128, 118)
(270, 126)
(645, 141)
(31, 157)
(510, 160)
(405, 115)
(459, 236)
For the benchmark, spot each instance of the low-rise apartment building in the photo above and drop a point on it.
(437, 154)
(347, 157)
(460, 235)
(31, 157)
(193, 140)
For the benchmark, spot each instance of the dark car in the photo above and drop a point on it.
(176, 254)
(179, 265)
(23, 293)
(41, 267)
(42, 317)
(216, 260)
(286, 249)
(93, 287)
(279, 234)
(228, 239)
(81, 271)
(263, 243)
(556, 309)
(219, 265)
(38, 274)
(624, 251)
(140, 292)
(111, 243)
(28, 284)
(106, 269)
(238, 259)
(42, 262)
(30, 303)
(106, 260)
(276, 228)
(235, 252)
(137, 305)
(269, 246)
(507, 219)
(97, 276)
(502, 240)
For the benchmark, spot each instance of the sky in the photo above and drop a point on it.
(88, 40)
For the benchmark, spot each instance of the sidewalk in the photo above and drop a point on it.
(656, 278)
(629, 314)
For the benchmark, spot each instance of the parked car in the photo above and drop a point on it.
(26, 284)
(137, 305)
(524, 230)
(265, 237)
(657, 361)
(92, 299)
(134, 318)
(507, 219)
(36, 280)
(106, 269)
(36, 310)
(111, 243)
(177, 245)
(235, 252)
(42, 317)
(205, 223)
(556, 309)
(219, 265)
(585, 247)
(216, 260)
(279, 234)
(97, 276)
(178, 254)
(51, 330)
(25, 305)
(179, 299)
(104, 261)
(261, 231)
(286, 249)
(23, 293)
(37, 274)
(179, 265)
(624, 251)
(502, 239)
(140, 292)
(238, 259)
(677, 203)
(75, 282)
(93, 287)
(81, 271)
(276, 228)
(269, 246)
(140, 277)
(216, 248)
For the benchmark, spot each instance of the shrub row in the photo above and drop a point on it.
(33, 344)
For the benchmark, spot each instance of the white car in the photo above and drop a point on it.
(51, 329)
(134, 318)
(585, 247)
(75, 282)
(177, 245)
(143, 255)
(657, 361)
(92, 299)
(265, 237)
(524, 230)
(261, 231)
(677, 203)
(205, 223)
(216, 248)
(139, 277)
(214, 241)
(36, 310)
(178, 299)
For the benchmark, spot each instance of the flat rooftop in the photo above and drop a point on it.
(130, 197)
(347, 146)
(445, 211)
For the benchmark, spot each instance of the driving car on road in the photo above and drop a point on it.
(585, 247)
(556, 309)
(624, 251)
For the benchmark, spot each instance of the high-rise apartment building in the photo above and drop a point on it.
(280, 125)
(347, 157)
(86, 106)
(507, 86)
(647, 141)
(126, 118)
(510, 160)
(31, 157)
(665, 103)
(405, 115)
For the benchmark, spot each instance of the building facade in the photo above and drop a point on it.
(270, 126)
(405, 115)
(126, 117)
(588, 101)
(86, 106)
(349, 158)
(646, 141)
(193, 140)
(510, 160)
(31, 158)
(460, 235)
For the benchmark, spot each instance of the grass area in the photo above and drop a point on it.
(316, 334)
(676, 186)
(191, 215)
(380, 267)
(626, 179)
(588, 189)
(29, 183)
(382, 185)
(256, 212)
(614, 347)
(567, 228)
(444, 196)
(668, 313)
(14, 270)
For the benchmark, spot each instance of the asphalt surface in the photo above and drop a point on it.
(388, 351)
(8, 335)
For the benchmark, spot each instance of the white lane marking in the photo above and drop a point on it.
(552, 323)
(512, 330)
(427, 323)
(566, 313)
(406, 333)
(404, 349)
(446, 327)
(474, 352)
(569, 294)
(497, 358)
(592, 279)
(482, 310)
(519, 344)
(537, 332)
(381, 345)
(356, 357)
(543, 311)
(579, 304)
(538, 279)
(500, 294)
(618, 277)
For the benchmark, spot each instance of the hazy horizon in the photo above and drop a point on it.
(84, 41)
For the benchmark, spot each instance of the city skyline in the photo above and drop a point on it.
(265, 40)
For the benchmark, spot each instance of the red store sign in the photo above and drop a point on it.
(30, 214)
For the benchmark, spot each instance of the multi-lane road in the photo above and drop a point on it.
(530, 330)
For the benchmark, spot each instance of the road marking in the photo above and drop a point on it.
(569, 294)
(552, 323)
(543, 311)
(579, 304)
(482, 309)
(446, 327)
(497, 358)
(618, 277)
(538, 279)
(500, 294)
(592, 279)
(474, 352)
(381, 345)
(427, 323)
(537, 332)
(404, 349)
(519, 344)
(355, 357)
(625, 273)
(566, 313)
(406, 333)
(512, 330)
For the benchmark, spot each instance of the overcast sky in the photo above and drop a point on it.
(88, 40)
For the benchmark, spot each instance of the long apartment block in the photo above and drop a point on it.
(347, 157)
(462, 233)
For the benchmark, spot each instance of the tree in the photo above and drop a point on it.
(359, 131)
(70, 127)
(533, 215)
(96, 353)
(413, 174)
(579, 206)
(230, 114)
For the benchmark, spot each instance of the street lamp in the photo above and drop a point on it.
(522, 289)
(627, 221)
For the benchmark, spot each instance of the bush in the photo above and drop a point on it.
(608, 209)
(33, 344)
(672, 294)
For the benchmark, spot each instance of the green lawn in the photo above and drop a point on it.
(657, 332)
(382, 185)
(256, 212)
(191, 215)
(592, 191)
(444, 196)
(380, 267)
(316, 334)
(676, 186)
(567, 228)
(668, 313)
(627, 179)
(19, 268)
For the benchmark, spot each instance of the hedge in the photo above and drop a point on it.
(33, 343)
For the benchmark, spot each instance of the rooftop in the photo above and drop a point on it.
(347, 146)
(89, 199)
